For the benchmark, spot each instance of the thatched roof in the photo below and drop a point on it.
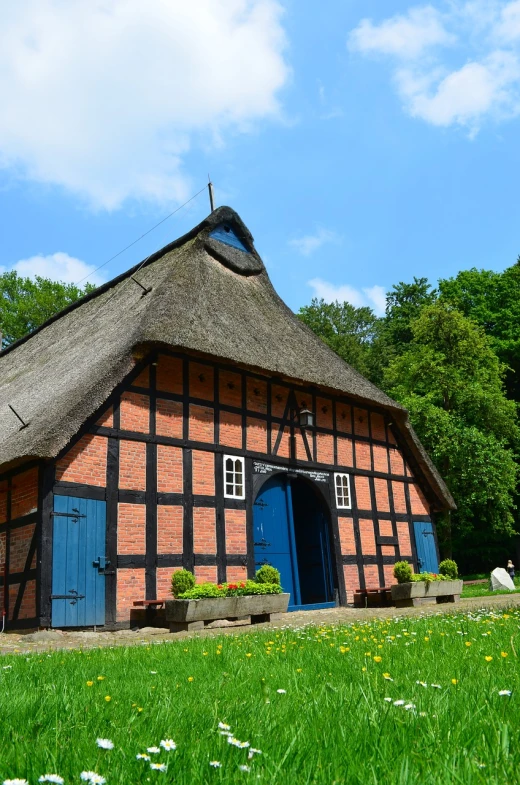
(205, 295)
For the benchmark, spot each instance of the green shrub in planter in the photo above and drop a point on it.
(201, 591)
(267, 574)
(242, 589)
(182, 581)
(403, 572)
(449, 568)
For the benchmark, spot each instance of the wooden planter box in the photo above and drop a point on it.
(406, 595)
(184, 615)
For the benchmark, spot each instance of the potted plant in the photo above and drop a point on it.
(194, 606)
(413, 588)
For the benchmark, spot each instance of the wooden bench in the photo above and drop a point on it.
(149, 603)
(364, 598)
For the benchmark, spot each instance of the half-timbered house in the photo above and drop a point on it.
(181, 415)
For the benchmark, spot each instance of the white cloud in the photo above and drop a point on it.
(483, 84)
(508, 27)
(309, 243)
(374, 296)
(467, 95)
(405, 36)
(58, 267)
(105, 98)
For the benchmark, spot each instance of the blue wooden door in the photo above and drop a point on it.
(426, 550)
(272, 514)
(78, 562)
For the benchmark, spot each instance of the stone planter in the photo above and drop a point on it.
(184, 615)
(406, 595)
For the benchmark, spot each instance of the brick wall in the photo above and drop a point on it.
(235, 531)
(363, 493)
(419, 504)
(256, 435)
(24, 493)
(169, 528)
(380, 454)
(351, 575)
(201, 381)
(382, 499)
(361, 422)
(363, 456)
(20, 542)
(344, 447)
(85, 462)
(169, 469)
(203, 574)
(130, 587)
(131, 529)
(204, 532)
(236, 574)
(256, 396)
(3, 501)
(231, 429)
(346, 536)
(343, 418)
(169, 374)
(135, 412)
(201, 424)
(132, 465)
(403, 533)
(164, 583)
(169, 418)
(230, 389)
(325, 448)
(399, 496)
(368, 539)
(204, 473)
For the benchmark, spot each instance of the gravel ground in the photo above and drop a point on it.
(54, 640)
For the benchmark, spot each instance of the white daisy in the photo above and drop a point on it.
(505, 692)
(223, 726)
(422, 683)
(399, 703)
(243, 767)
(92, 777)
(281, 692)
(154, 673)
(216, 764)
(410, 706)
(16, 781)
(142, 756)
(225, 733)
(51, 778)
(436, 686)
(105, 744)
(153, 750)
(158, 766)
(388, 700)
(168, 745)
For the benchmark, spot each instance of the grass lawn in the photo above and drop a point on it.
(482, 589)
(415, 700)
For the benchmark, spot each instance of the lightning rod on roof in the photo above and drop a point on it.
(211, 195)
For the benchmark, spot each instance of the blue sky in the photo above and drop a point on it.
(363, 143)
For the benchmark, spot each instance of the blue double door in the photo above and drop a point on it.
(427, 560)
(78, 562)
(291, 532)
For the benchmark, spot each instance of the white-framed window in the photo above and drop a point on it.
(234, 480)
(342, 486)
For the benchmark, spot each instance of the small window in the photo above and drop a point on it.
(342, 483)
(234, 487)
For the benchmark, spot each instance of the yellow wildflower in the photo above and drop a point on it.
(488, 658)
(190, 678)
(100, 678)
(108, 698)
(503, 653)
(454, 681)
(468, 643)
(377, 659)
(90, 683)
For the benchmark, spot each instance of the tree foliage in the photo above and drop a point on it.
(349, 331)
(26, 304)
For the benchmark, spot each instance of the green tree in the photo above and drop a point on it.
(26, 304)
(403, 304)
(451, 381)
(349, 331)
(493, 301)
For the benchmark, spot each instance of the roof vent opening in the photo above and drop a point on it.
(225, 233)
